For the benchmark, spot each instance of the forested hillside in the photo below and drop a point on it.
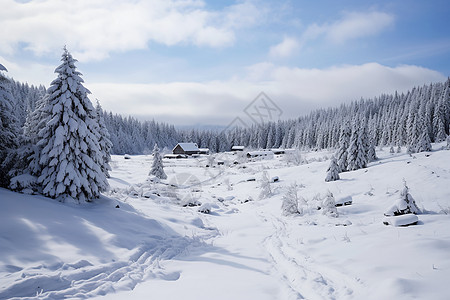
(393, 120)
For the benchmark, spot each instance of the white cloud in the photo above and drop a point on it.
(352, 25)
(355, 25)
(296, 91)
(286, 48)
(35, 73)
(94, 28)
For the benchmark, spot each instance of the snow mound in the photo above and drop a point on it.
(402, 220)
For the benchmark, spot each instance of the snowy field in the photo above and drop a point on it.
(140, 242)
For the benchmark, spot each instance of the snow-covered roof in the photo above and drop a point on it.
(189, 146)
(237, 148)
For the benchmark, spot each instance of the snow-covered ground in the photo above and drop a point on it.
(151, 246)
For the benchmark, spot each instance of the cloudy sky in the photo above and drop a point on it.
(191, 62)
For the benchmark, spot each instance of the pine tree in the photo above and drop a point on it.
(329, 206)
(448, 142)
(356, 157)
(341, 155)
(104, 141)
(157, 166)
(424, 142)
(71, 155)
(332, 171)
(8, 129)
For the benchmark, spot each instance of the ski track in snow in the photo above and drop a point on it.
(83, 280)
(306, 278)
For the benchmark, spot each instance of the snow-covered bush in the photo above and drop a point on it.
(404, 205)
(228, 184)
(329, 206)
(205, 208)
(266, 189)
(294, 157)
(24, 183)
(291, 201)
(332, 171)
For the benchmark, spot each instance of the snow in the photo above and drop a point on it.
(153, 247)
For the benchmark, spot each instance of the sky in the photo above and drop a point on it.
(204, 62)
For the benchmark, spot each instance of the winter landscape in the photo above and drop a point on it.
(281, 150)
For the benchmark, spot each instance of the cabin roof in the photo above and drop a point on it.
(237, 148)
(188, 146)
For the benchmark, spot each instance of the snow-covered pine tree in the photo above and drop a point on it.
(424, 142)
(344, 141)
(329, 206)
(104, 141)
(448, 142)
(333, 170)
(27, 167)
(71, 155)
(8, 129)
(371, 153)
(356, 157)
(29, 151)
(157, 166)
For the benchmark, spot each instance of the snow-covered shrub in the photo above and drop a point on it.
(332, 171)
(294, 157)
(228, 184)
(404, 205)
(24, 183)
(205, 208)
(291, 201)
(190, 202)
(329, 206)
(266, 189)
(444, 210)
(391, 150)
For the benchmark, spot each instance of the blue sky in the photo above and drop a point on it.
(202, 62)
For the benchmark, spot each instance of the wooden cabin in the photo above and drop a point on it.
(186, 149)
